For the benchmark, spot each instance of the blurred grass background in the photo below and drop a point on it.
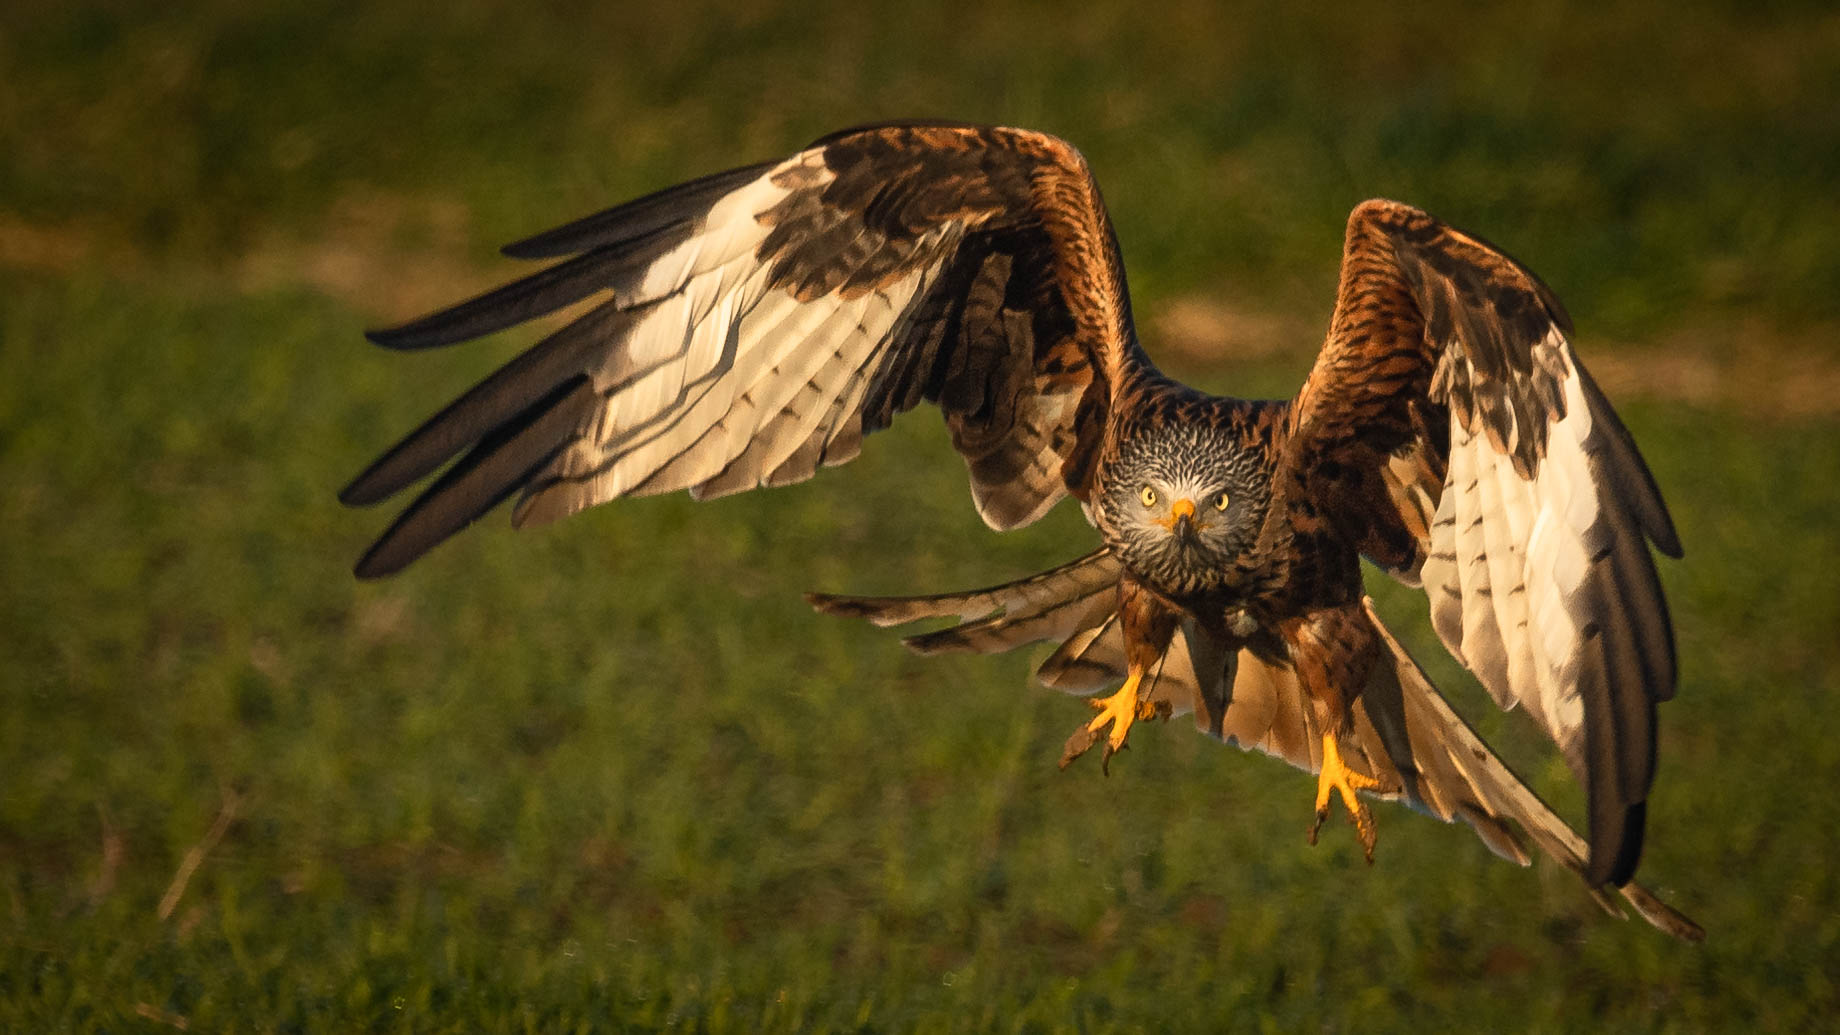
(612, 774)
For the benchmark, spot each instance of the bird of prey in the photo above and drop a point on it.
(753, 325)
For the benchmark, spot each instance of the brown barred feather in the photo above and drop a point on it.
(1431, 320)
(975, 265)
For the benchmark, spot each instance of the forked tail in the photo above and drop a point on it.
(1408, 737)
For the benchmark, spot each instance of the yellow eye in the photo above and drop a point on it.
(1220, 502)
(1148, 496)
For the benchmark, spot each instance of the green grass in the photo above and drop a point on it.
(612, 773)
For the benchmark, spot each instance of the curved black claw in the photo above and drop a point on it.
(1082, 740)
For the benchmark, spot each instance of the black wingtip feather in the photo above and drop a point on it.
(524, 299)
(1618, 867)
(501, 464)
(356, 493)
(1644, 494)
(499, 398)
(381, 336)
(660, 210)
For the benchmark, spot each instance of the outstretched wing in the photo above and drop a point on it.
(1404, 733)
(1450, 429)
(758, 322)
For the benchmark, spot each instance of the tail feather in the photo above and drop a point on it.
(1406, 735)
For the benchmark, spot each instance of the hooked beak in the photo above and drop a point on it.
(1181, 517)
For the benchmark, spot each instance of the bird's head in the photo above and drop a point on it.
(1179, 503)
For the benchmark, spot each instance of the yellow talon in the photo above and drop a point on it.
(1337, 776)
(1120, 710)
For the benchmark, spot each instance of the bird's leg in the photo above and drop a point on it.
(1336, 776)
(1148, 624)
(1119, 710)
(1334, 651)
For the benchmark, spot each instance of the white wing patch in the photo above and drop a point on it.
(1510, 559)
(712, 383)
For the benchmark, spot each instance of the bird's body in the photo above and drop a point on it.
(759, 322)
(1231, 529)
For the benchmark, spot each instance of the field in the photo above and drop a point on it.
(613, 775)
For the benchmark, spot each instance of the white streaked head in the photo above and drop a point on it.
(1179, 503)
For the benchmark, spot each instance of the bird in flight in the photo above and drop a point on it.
(753, 325)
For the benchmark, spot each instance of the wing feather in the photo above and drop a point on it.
(1094, 573)
(1535, 562)
(762, 320)
(497, 399)
(671, 207)
(1089, 659)
(763, 445)
(1505, 533)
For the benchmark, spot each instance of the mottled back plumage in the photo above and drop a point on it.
(750, 327)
